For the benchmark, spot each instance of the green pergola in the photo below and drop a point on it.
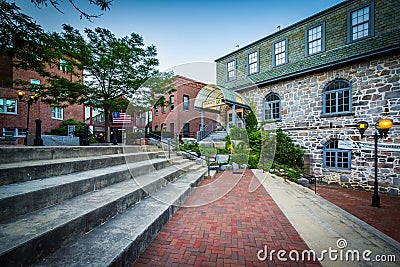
(212, 97)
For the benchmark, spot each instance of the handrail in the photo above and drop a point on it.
(173, 144)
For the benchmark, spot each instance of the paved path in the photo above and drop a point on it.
(321, 224)
(228, 232)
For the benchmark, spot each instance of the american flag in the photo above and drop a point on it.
(121, 118)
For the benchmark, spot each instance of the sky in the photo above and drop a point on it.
(189, 34)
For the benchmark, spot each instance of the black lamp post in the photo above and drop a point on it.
(382, 126)
(33, 98)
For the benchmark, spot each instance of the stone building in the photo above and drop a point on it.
(318, 77)
(13, 112)
(181, 117)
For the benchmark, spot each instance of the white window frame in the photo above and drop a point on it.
(57, 113)
(5, 106)
(63, 65)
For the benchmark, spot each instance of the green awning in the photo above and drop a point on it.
(213, 96)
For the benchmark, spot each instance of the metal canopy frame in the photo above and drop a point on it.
(213, 92)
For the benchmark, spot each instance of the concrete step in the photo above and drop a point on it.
(35, 235)
(19, 154)
(31, 170)
(22, 198)
(120, 241)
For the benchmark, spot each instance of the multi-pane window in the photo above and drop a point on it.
(13, 132)
(360, 23)
(171, 103)
(315, 40)
(336, 158)
(272, 107)
(163, 109)
(231, 70)
(252, 61)
(57, 113)
(186, 102)
(280, 52)
(63, 65)
(337, 97)
(155, 110)
(8, 106)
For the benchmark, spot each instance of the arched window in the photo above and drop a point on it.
(336, 158)
(272, 107)
(337, 97)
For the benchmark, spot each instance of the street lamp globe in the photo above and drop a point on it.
(383, 126)
(362, 126)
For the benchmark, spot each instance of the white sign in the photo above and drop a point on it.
(347, 144)
(213, 103)
(71, 130)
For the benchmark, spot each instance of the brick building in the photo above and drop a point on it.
(180, 117)
(13, 113)
(320, 76)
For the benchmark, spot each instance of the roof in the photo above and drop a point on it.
(312, 17)
(213, 96)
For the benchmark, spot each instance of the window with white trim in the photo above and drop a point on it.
(35, 85)
(171, 103)
(315, 40)
(186, 102)
(360, 23)
(252, 62)
(63, 65)
(57, 113)
(163, 109)
(280, 52)
(231, 70)
(8, 106)
(336, 158)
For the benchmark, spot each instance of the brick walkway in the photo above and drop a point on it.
(358, 203)
(227, 232)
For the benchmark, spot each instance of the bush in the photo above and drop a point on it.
(286, 152)
(79, 126)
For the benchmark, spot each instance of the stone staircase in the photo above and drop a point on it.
(217, 136)
(87, 206)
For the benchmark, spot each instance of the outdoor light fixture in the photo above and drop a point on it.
(382, 126)
(33, 98)
(361, 127)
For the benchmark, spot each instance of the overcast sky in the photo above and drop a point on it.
(186, 31)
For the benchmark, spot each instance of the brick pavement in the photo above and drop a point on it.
(227, 232)
(386, 219)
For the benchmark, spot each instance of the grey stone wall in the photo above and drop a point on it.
(375, 94)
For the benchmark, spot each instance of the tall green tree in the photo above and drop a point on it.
(115, 68)
(31, 48)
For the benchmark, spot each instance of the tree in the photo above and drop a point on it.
(31, 48)
(103, 4)
(286, 152)
(116, 68)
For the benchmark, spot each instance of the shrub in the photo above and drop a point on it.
(79, 126)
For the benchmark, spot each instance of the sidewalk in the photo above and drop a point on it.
(227, 232)
(321, 224)
(239, 223)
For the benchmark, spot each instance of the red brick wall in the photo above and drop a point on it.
(179, 116)
(38, 110)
